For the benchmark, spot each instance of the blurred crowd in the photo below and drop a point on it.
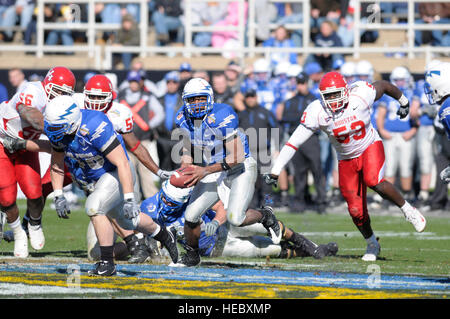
(331, 23)
(272, 100)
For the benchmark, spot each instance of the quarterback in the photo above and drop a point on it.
(343, 113)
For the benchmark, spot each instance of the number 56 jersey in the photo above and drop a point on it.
(351, 131)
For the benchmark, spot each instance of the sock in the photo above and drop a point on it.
(33, 221)
(371, 239)
(16, 225)
(406, 207)
(423, 195)
(107, 253)
(129, 239)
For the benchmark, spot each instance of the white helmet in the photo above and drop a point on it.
(432, 64)
(180, 195)
(198, 87)
(294, 70)
(261, 66)
(348, 70)
(62, 117)
(364, 71)
(401, 77)
(282, 68)
(437, 85)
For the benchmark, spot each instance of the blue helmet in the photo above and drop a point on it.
(198, 87)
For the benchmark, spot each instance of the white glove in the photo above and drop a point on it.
(211, 228)
(164, 174)
(130, 208)
(61, 206)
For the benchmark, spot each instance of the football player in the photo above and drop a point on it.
(219, 155)
(437, 89)
(343, 113)
(95, 155)
(22, 119)
(219, 238)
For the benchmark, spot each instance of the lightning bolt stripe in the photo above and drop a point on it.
(68, 111)
(431, 72)
(226, 121)
(99, 130)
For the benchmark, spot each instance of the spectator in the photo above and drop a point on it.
(128, 35)
(185, 75)
(158, 89)
(280, 39)
(348, 70)
(16, 79)
(308, 156)
(322, 10)
(65, 35)
(167, 17)
(326, 39)
(30, 30)
(114, 12)
(10, 12)
(206, 14)
(280, 82)
(293, 13)
(222, 93)
(3, 93)
(203, 74)
(314, 72)
(265, 13)
(229, 39)
(253, 120)
(148, 114)
(434, 13)
(398, 136)
(234, 76)
(172, 102)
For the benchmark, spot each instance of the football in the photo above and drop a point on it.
(179, 177)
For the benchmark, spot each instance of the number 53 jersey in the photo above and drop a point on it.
(351, 131)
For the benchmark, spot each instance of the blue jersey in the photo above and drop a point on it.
(154, 207)
(444, 115)
(266, 92)
(282, 88)
(217, 126)
(392, 122)
(86, 152)
(425, 120)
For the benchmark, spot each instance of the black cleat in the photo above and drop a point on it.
(270, 222)
(189, 259)
(103, 268)
(170, 243)
(139, 250)
(332, 249)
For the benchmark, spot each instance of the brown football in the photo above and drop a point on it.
(178, 177)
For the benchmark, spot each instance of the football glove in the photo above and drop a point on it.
(445, 175)
(403, 111)
(270, 179)
(164, 174)
(130, 208)
(211, 228)
(13, 144)
(430, 111)
(61, 206)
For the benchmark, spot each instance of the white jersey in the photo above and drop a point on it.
(120, 115)
(31, 94)
(352, 131)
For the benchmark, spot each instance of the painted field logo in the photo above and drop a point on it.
(73, 280)
(374, 279)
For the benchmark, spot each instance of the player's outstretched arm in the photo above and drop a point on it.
(57, 178)
(32, 116)
(385, 87)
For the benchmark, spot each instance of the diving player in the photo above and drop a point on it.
(343, 113)
(219, 155)
(219, 238)
(437, 89)
(95, 154)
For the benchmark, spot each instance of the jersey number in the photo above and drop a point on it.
(129, 123)
(26, 99)
(342, 134)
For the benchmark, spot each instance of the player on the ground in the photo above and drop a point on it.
(437, 89)
(22, 119)
(212, 139)
(219, 238)
(343, 113)
(95, 154)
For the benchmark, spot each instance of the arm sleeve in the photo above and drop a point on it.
(300, 135)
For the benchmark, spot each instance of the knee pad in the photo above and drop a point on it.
(235, 219)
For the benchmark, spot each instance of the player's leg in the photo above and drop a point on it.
(353, 190)
(28, 175)
(93, 248)
(8, 194)
(250, 247)
(373, 169)
(202, 198)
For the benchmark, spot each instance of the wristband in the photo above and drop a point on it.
(403, 100)
(128, 196)
(135, 146)
(58, 192)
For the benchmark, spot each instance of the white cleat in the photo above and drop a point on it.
(372, 251)
(20, 244)
(37, 239)
(416, 218)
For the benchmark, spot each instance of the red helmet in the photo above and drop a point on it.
(98, 93)
(334, 91)
(59, 81)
